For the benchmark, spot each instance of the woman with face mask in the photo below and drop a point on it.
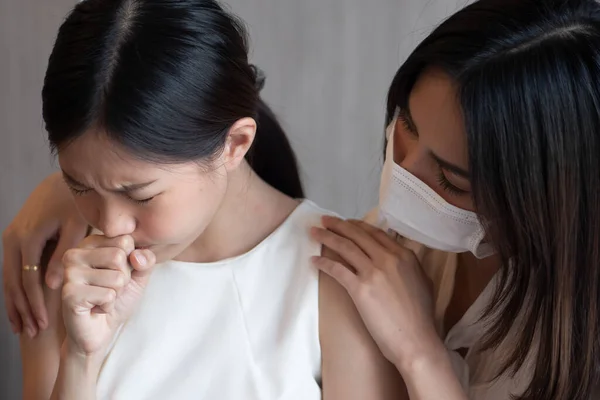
(483, 279)
(490, 196)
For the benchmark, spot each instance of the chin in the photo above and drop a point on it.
(164, 253)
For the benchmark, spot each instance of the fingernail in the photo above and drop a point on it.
(30, 332)
(52, 281)
(140, 259)
(41, 323)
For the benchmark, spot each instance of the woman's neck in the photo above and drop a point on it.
(472, 276)
(250, 211)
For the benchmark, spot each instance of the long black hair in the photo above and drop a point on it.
(164, 78)
(527, 74)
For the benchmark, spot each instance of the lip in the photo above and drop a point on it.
(143, 247)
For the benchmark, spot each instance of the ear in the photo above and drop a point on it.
(238, 142)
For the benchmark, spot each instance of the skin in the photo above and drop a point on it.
(150, 213)
(383, 278)
(49, 210)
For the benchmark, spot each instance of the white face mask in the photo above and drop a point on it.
(414, 210)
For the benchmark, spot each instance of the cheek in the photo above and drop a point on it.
(180, 216)
(414, 158)
(87, 207)
(167, 224)
(464, 202)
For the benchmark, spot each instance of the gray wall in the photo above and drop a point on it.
(328, 65)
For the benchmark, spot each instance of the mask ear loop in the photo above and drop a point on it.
(389, 138)
(481, 250)
(389, 130)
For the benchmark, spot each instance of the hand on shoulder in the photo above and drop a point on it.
(387, 284)
(353, 366)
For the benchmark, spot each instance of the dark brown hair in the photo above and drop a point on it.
(528, 78)
(166, 79)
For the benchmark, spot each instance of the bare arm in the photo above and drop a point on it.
(40, 355)
(77, 375)
(431, 377)
(353, 367)
(392, 296)
(50, 369)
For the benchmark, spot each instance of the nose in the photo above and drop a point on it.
(115, 220)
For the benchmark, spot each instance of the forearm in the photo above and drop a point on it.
(431, 377)
(77, 376)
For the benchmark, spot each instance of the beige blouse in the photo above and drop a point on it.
(477, 369)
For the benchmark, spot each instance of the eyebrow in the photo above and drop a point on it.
(443, 163)
(123, 189)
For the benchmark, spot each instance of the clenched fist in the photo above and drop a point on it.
(104, 281)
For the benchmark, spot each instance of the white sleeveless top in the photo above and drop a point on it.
(244, 328)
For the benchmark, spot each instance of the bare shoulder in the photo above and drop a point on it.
(353, 367)
(40, 356)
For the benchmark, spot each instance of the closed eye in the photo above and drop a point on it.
(448, 186)
(143, 201)
(81, 192)
(78, 192)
